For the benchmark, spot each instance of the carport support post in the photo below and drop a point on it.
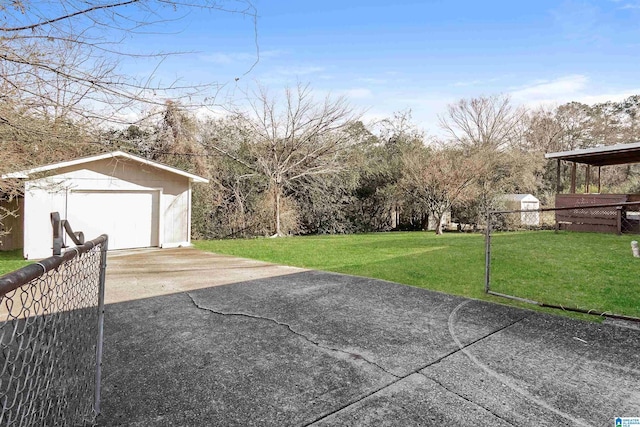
(487, 251)
(587, 179)
(558, 169)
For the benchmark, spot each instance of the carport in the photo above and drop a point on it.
(609, 219)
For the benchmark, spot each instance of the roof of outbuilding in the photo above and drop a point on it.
(619, 154)
(520, 197)
(24, 174)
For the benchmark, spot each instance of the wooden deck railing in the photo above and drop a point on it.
(602, 219)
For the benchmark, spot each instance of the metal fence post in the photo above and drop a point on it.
(103, 270)
(57, 233)
(487, 250)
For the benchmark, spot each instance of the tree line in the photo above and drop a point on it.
(293, 163)
(285, 164)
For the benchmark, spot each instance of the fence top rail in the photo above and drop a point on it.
(14, 280)
(568, 208)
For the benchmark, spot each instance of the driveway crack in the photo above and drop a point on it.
(293, 331)
(466, 399)
(462, 348)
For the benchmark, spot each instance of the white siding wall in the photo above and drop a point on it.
(524, 202)
(39, 201)
(175, 211)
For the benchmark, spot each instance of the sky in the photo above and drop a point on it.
(389, 56)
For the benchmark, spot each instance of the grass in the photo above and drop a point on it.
(11, 260)
(585, 270)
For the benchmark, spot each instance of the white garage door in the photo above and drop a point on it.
(130, 218)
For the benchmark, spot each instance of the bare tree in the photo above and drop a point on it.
(175, 140)
(60, 75)
(439, 178)
(491, 130)
(543, 131)
(21, 148)
(574, 118)
(293, 140)
(485, 122)
(61, 58)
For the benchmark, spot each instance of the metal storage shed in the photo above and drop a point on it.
(138, 202)
(524, 202)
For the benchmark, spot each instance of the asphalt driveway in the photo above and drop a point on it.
(199, 339)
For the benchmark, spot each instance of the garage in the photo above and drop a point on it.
(139, 203)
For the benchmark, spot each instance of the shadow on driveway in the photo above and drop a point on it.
(323, 349)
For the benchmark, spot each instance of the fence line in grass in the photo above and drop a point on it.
(618, 218)
(51, 331)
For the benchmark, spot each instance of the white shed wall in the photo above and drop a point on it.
(39, 202)
(524, 202)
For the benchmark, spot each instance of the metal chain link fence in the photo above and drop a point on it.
(51, 315)
(529, 251)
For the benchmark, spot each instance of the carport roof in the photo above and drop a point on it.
(115, 154)
(619, 154)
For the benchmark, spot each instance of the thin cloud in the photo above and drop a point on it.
(627, 4)
(565, 89)
(357, 93)
(372, 80)
(226, 58)
(477, 82)
(273, 53)
(613, 97)
(207, 113)
(299, 70)
(551, 89)
(581, 21)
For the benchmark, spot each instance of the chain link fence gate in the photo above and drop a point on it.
(51, 329)
(534, 240)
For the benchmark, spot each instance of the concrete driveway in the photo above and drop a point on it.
(198, 339)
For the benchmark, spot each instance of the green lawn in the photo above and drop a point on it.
(11, 260)
(586, 270)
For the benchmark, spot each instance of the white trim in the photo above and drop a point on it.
(524, 197)
(26, 173)
(160, 217)
(176, 245)
(189, 213)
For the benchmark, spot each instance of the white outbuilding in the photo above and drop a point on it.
(137, 202)
(524, 202)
